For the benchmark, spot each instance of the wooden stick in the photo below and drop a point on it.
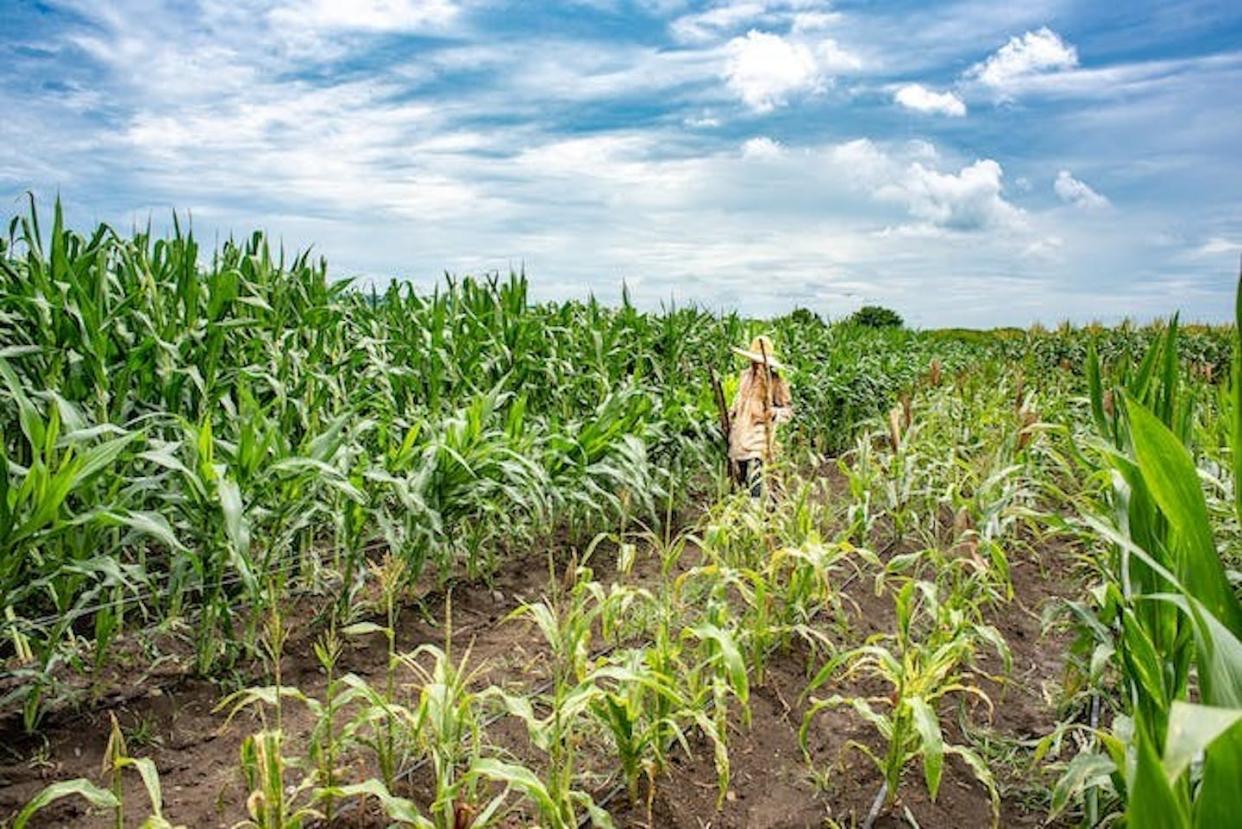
(726, 425)
(767, 403)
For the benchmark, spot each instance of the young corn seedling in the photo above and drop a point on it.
(271, 696)
(377, 725)
(449, 731)
(263, 767)
(715, 679)
(273, 803)
(717, 633)
(755, 632)
(566, 621)
(640, 708)
(862, 472)
(270, 804)
(803, 583)
(115, 760)
(931, 658)
(325, 745)
(671, 698)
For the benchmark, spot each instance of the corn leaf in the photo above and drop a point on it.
(1219, 799)
(1153, 804)
(1170, 475)
(1236, 425)
(928, 726)
(1192, 728)
(97, 797)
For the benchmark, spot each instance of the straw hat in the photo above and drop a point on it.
(758, 346)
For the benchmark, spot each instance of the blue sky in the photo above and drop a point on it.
(967, 163)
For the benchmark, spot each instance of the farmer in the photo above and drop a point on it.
(762, 401)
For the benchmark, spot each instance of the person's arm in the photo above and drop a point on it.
(782, 401)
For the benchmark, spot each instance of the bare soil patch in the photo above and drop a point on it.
(772, 784)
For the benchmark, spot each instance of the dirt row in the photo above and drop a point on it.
(171, 719)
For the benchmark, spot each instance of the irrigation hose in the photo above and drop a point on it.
(875, 805)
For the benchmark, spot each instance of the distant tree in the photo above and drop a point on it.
(805, 316)
(877, 316)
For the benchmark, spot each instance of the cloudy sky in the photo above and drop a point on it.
(967, 163)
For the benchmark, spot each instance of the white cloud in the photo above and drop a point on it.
(1035, 52)
(917, 148)
(705, 25)
(864, 162)
(701, 121)
(921, 99)
(762, 148)
(365, 153)
(834, 58)
(561, 70)
(1047, 248)
(730, 16)
(1072, 191)
(1141, 82)
(969, 200)
(764, 69)
(365, 15)
(813, 21)
(1216, 246)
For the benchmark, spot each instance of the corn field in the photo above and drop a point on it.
(461, 559)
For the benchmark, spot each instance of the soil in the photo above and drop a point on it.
(170, 717)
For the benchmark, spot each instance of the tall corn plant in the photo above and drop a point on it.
(1175, 618)
(59, 510)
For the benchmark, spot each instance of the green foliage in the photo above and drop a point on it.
(272, 803)
(91, 793)
(190, 439)
(876, 316)
(448, 730)
(1166, 613)
(116, 760)
(805, 316)
(932, 657)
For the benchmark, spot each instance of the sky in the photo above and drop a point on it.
(965, 163)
